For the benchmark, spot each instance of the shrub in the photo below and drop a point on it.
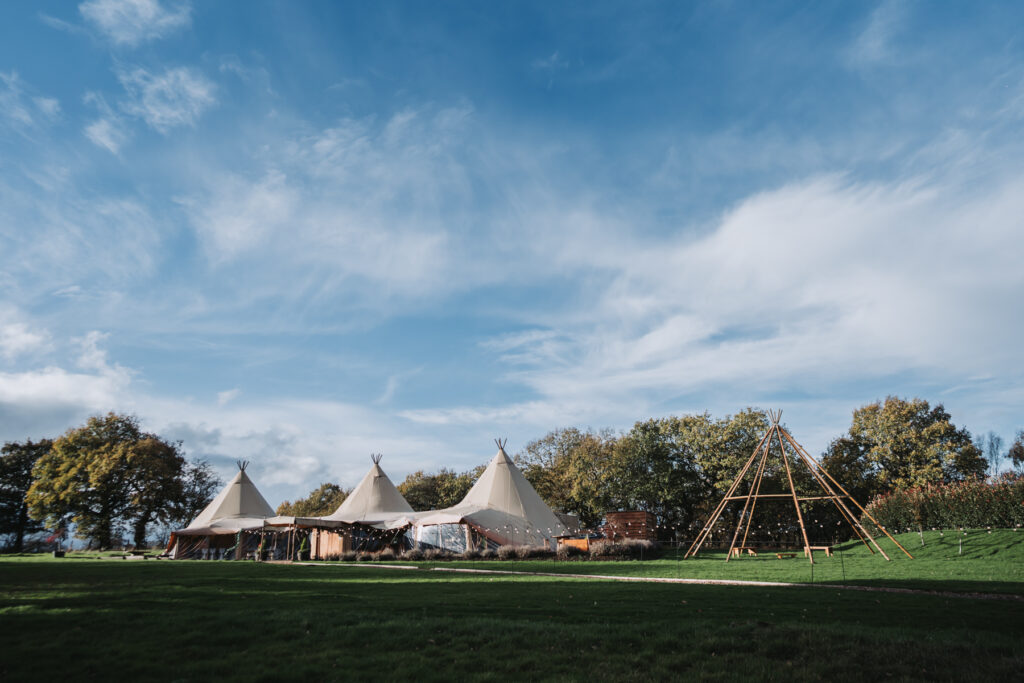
(507, 552)
(434, 554)
(488, 554)
(570, 552)
(412, 555)
(386, 554)
(967, 504)
(364, 556)
(333, 557)
(628, 548)
(349, 556)
(470, 554)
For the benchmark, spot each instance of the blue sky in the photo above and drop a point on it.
(299, 233)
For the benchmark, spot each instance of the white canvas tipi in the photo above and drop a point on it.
(238, 506)
(374, 500)
(502, 506)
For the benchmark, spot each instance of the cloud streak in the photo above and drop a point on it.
(128, 23)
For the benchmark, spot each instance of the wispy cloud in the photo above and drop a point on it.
(175, 97)
(20, 108)
(874, 45)
(131, 22)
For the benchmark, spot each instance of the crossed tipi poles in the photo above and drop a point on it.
(833, 490)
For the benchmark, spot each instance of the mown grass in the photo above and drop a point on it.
(991, 562)
(89, 619)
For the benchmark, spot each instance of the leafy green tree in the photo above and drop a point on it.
(649, 471)
(199, 484)
(106, 475)
(569, 470)
(16, 463)
(907, 443)
(321, 501)
(435, 491)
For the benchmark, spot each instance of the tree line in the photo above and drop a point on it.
(109, 476)
(678, 467)
(106, 477)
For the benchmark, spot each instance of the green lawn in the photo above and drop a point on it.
(991, 562)
(109, 619)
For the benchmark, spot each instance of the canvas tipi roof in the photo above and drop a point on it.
(239, 505)
(504, 506)
(374, 500)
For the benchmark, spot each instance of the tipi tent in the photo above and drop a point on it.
(502, 508)
(373, 508)
(237, 507)
(374, 501)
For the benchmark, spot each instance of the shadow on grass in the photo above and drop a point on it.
(198, 620)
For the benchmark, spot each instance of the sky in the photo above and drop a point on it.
(300, 233)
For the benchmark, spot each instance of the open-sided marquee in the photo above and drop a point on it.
(832, 489)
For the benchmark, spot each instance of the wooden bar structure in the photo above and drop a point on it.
(778, 442)
(631, 524)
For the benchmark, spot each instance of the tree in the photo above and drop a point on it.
(106, 475)
(199, 483)
(1016, 453)
(906, 443)
(16, 463)
(321, 501)
(649, 471)
(436, 491)
(569, 470)
(994, 452)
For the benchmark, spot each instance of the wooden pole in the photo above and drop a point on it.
(861, 507)
(796, 503)
(699, 541)
(758, 473)
(850, 518)
(757, 493)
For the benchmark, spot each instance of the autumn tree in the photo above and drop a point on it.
(435, 491)
(904, 443)
(569, 470)
(16, 463)
(321, 501)
(105, 476)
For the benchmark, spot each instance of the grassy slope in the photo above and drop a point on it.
(991, 562)
(203, 620)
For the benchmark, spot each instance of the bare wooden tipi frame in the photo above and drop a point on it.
(833, 490)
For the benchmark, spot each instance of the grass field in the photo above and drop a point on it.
(91, 619)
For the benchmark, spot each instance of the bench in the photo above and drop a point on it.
(739, 551)
(827, 548)
(782, 555)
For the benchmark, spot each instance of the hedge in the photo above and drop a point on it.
(969, 504)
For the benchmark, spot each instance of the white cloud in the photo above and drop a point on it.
(225, 397)
(106, 134)
(816, 285)
(371, 208)
(176, 97)
(18, 337)
(131, 22)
